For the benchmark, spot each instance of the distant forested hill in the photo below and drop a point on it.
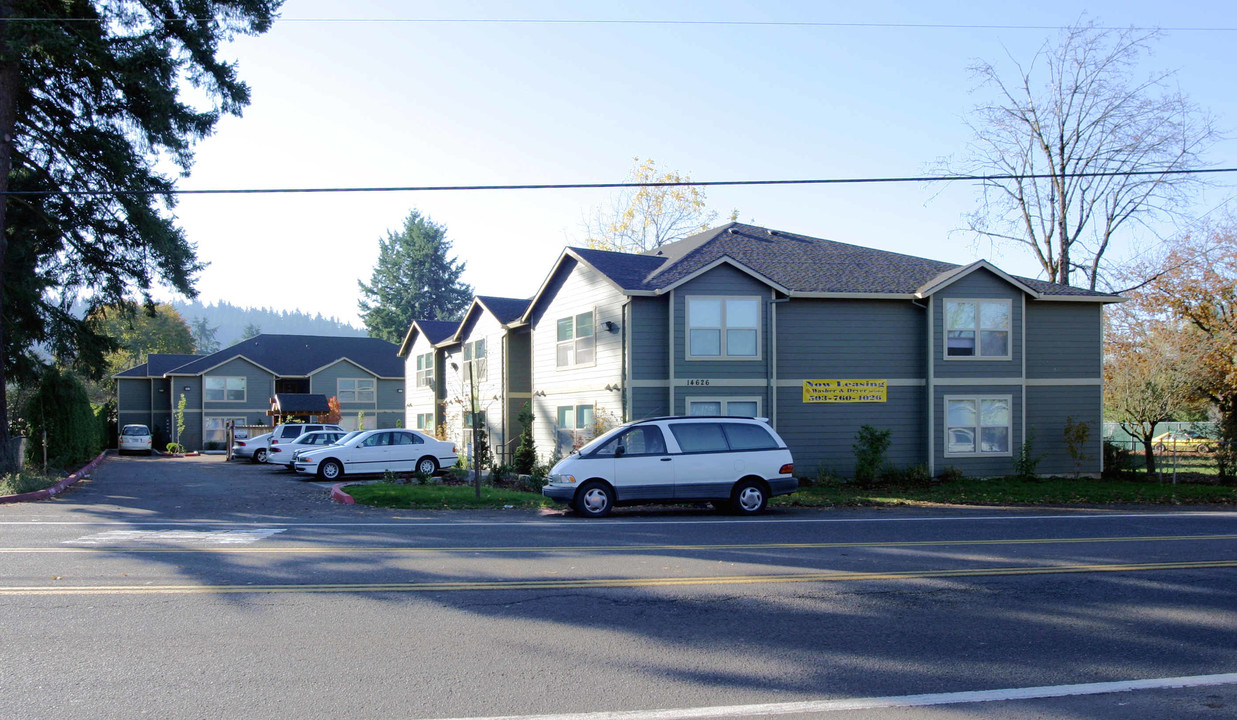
(231, 321)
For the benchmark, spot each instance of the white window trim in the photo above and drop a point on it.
(240, 420)
(1009, 355)
(465, 375)
(225, 379)
(575, 416)
(977, 398)
(724, 400)
(426, 373)
(357, 390)
(430, 426)
(574, 339)
(723, 357)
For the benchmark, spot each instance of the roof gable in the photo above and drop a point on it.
(507, 311)
(435, 331)
(298, 355)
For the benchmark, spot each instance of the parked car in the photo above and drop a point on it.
(735, 463)
(253, 448)
(290, 431)
(1182, 441)
(285, 453)
(377, 451)
(134, 438)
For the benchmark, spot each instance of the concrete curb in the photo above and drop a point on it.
(338, 494)
(58, 487)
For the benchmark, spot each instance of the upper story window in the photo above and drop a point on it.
(723, 328)
(474, 360)
(425, 370)
(577, 343)
(225, 389)
(977, 329)
(356, 390)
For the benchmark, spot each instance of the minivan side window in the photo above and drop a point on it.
(743, 436)
(700, 437)
(644, 440)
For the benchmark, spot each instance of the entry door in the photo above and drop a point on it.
(643, 470)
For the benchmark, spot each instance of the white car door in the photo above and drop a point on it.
(706, 468)
(371, 455)
(642, 469)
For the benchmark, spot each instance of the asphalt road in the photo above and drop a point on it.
(195, 588)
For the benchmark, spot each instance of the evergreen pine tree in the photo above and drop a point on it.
(414, 279)
(525, 458)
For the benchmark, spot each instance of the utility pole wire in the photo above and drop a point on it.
(612, 185)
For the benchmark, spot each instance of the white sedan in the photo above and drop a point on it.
(377, 451)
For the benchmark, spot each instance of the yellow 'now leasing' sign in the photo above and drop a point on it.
(845, 391)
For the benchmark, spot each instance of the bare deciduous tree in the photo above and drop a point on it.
(1103, 146)
(645, 218)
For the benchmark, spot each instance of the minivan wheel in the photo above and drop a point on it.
(259, 455)
(330, 470)
(594, 499)
(749, 497)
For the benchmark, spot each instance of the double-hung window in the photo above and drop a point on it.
(225, 389)
(978, 425)
(474, 360)
(577, 343)
(723, 327)
(356, 390)
(977, 329)
(575, 417)
(425, 370)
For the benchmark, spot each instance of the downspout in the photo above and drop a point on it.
(503, 392)
(772, 363)
(1022, 345)
(931, 385)
(670, 374)
(626, 372)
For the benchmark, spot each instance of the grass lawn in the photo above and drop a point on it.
(1009, 491)
(444, 497)
(995, 491)
(25, 481)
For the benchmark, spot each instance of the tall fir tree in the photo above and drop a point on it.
(414, 279)
(92, 110)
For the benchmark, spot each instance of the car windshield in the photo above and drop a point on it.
(347, 438)
(136, 430)
(597, 441)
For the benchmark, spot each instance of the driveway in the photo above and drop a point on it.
(207, 486)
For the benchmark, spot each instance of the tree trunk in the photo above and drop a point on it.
(8, 120)
(1150, 455)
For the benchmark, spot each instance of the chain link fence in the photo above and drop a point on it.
(1195, 457)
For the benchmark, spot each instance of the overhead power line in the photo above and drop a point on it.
(664, 22)
(616, 185)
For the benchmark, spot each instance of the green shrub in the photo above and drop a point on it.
(61, 407)
(1026, 461)
(870, 447)
(1118, 460)
(950, 474)
(525, 458)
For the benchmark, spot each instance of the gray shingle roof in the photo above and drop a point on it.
(301, 404)
(799, 263)
(437, 330)
(505, 310)
(299, 355)
(157, 364)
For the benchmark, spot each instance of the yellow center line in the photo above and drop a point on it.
(278, 550)
(587, 583)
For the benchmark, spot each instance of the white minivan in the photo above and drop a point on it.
(735, 463)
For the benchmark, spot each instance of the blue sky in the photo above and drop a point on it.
(338, 102)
